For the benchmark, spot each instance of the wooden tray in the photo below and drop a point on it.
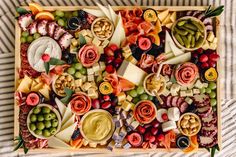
(103, 149)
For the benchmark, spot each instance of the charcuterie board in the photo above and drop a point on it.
(121, 78)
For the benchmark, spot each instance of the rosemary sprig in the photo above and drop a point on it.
(214, 12)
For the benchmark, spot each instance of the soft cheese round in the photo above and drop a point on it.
(43, 45)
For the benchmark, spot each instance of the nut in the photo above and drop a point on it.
(102, 28)
(187, 117)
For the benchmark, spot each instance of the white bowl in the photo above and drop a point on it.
(52, 109)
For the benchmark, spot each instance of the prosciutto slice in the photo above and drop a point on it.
(146, 61)
(88, 55)
(186, 73)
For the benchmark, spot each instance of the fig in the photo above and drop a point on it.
(144, 43)
(135, 139)
(33, 99)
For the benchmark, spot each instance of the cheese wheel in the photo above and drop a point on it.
(169, 125)
(173, 113)
(160, 112)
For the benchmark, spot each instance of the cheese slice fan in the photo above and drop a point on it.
(54, 142)
(105, 11)
(65, 135)
(61, 106)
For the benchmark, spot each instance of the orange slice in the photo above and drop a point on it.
(45, 15)
(193, 145)
(35, 8)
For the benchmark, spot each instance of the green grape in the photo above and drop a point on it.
(40, 125)
(57, 18)
(46, 110)
(30, 39)
(71, 70)
(75, 13)
(36, 110)
(61, 22)
(38, 132)
(68, 14)
(59, 13)
(25, 34)
(78, 74)
(36, 35)
(40, 118)
(140, 90)
(150, 97)
(46, 133)
(212, 85)
(78, 66)
(144, 96)
(47, 124)
(213, 102)
(203, 90)
(32, 126)
(208, 90)
(33, 118)
(135, 100)
(133, 93)
(83, 71)
(23, 40)
(212, 94)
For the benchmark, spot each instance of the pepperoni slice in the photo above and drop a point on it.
(186, 73)
(88, 55)
(145, 112)
(80, 103)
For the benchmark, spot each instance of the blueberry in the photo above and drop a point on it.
(192, 108)
(75, 134)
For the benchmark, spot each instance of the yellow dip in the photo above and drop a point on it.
(97, 126)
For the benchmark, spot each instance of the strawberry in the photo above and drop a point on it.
(113, 47)
(45, 57)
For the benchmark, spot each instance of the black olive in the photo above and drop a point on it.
(76, 134)
(182, 142)
(74, 23)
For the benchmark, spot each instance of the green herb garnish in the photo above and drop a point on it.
(20, 144)
(69, 93)
(52, 61)
(214, 12)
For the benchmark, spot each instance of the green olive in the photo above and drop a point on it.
(33, 118)
(53, 130)
(40, 118)
(46, 133)
(36, 110)
(54, 123)
(48, 116)
(40, 125)
(45, 110)
(38, 132)
(53, 115)
(47, 124)
(32, 126)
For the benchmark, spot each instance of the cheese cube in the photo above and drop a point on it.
(105, 43)
(86, 86)
(96, 67)
(102, 66)
(77, 90)
(168, 84)
(205, 46)
(215, 40)
(205, 85)
(189, 92)
(83, 32)
(90, 78)
(131, 72)
(129, 98)
(190, 86)
(212, 46)
(85, 142)
(132, 60)
(174, 88)
(100, 50)
(92, 145)
(96, 41)
(78, 82)
(84, 78)
(92, 93)
(126, 55)
(126, 105)
(166, 92)
(183, 93)
(89, 33)
(73, 49)
(94, 85)
(183, 88)
(210, 36)
(196, 91)
(167, 78)
(121, 97)
(90, 71)
(74, 42)
(198, 84)
(188, 100)
(88, 39)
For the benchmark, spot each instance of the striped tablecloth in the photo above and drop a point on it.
(228, 61)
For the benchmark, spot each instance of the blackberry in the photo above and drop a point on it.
(82, 14)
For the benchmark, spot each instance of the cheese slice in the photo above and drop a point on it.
(162, 15)
(66, 116)
(175, 49)
(65, 135)
(168, 40)
(173, 17)
(69, 122)
(54, 142)
(95, 12)
(122, 30)
(61, 106)
(131, 73)
(119, 33)
(105, 11)
(179, 59)
(114, 16)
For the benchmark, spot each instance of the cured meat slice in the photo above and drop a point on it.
(145, 27)
(65, 41)
(51, 28)
(59, 31)
(174, 101)
(112, 78)
(42, 27)
(209, 130)
(179, 101)
(201, 100)
(166, 69)
(168, 101)
(24, 21)
(207, 141)
(204, 111)
(146, 61)
(33, 27)
(80, 103)
(183, 107)
(186, 73)
(209, 120)
(88, 55)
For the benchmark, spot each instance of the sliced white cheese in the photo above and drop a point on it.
(105, 10)
(169, 125)
(65, 135)
(61, 106)
(122, 30)
(95, 12)
(159, 114)
(66, 116)
(168, 40)
(173, 113)
(179, 59)
(118, 33)
(175, 49)
(162, 15)
(114, 16)
(69, 122)
(54, 142)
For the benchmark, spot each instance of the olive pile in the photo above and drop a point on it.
(189, 33)
(43, 121)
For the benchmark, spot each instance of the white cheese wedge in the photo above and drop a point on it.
(122, 30)
(179, 59)
(66, 115)
(162, 15)
(117, 35)
(61, 106)
(95, 12)
(169, 125)
(173, 113)
(54, 142)
(131, 73)
(114, 16)
(69, 122)
(173, 17)
(168, 40)
(105, 10)
(175, 49)
(65, 135)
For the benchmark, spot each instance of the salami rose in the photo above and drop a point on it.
(146, 61)
(88, 55)
(145, 111)
(80, 103)
(186, 73)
